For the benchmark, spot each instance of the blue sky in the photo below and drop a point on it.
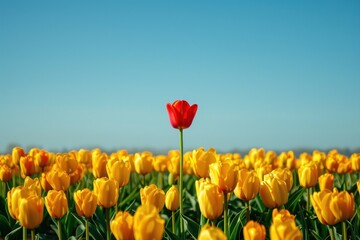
(272, 74)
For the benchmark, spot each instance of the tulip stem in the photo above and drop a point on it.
(173, 221)
(225, 214)
(144, 179)
(107, 213)
(59, 229)
(308, 199)
(24, 233)
(182, 232)
(32, 234)
(86, 228)
(331, 231)
(247, 205)
(160, 178)
(344, 230)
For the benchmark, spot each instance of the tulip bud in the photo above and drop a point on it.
(107, 192)
(147, 223)
(122, 226)
(210, 199)
(326, 181)
(181, 114)
(273, 191)
(208, 232)
(119, 170)
(143, 163)
(308, 174)
(58, 179)
(254, 231)
(172, 198)
(201, 160)
(153, 195)
(224, 175)
(85, 202)
(31, 211)
(56, 203)
(248, 185)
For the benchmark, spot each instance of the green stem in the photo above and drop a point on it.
(182, 232)
(32, 234)
(59, 229)
(173, 221)
(144, 180)
(107, 212)
(344, 230)
(24, 233)
(308, 200)
(247, 205)
(87, 229)
(225, 214)
(331, 231)
(160, 180)
(202, 220)
(119, 201)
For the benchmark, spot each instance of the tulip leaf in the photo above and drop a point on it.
(236, 222)
(14, 234)
(169, 235)
(192, 226)
(94, 232)
(4, 226)
(315, 235)
(294, 199)
(80, 230)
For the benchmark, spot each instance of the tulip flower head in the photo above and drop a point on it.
(56, 203)
(147, 223)
(254, 231)
(122, 226)
(172, 198)
(181, 114)
(208, 232)
(85, 202)
(153, 195)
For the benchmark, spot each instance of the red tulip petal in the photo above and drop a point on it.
(173, 116)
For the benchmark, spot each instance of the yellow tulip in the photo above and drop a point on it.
(44, 182)
(5, 173)
(58, 179)
(42, 159)
(31, 211)
(56, 203)
(84, 156)
(326, 181)
(27, 166)
(119, 170)
(254, 231)
(358, 185)
(85, 202)
(201, 160)
(273, 191)
(153, 195)
(17, 153)
(99, 161)
(147, 223)
(122, 226)
(67, 162)
(321, 203)
(33, 185)
(173, 164)
(248, 185)
(342, 205)
(284, 174)
(13, 199)
(208, 232)
(210, 198)
(107, 192)
(160, 163)
(308, 174)
(355, 162)
(172, 198)
(77, 175)
(143, 163)
(224, 174)
(284, 227)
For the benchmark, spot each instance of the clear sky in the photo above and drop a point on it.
(272, 74)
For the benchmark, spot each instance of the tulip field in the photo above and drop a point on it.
(198, 194)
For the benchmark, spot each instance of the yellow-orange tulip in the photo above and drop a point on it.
(147, 223)
(58, 179)
(284, 174)
(119, 170)
(321, 203)
(31, 211)
(153, 195)
(13, 199)
(248, 185)
(143, 163)
(308, 174)
(56, 203)
(99, 161)
(42, 159)
(172, 198)
(5, 173)
(284, 227)
(160, 163)
(44, 182)
(77, 175)
(67, 162)
(17, 153)
(173, 164)
(208, 232)
(85, 202)
(27, 166)
(33, 185)
(210, 198)
(326, 181)
(355, 162)
(107, 192)
(84, 156)
(224, 174)
(273, 191)
(254, 231)
(122, 226)
(201, 160)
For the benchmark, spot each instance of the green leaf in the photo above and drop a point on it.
(4, 226)
(14, 234)
(192, 226)
(294, 199)
(236, 222)
(94, 232)
(315, 235)
(80, 230)
(170, 235)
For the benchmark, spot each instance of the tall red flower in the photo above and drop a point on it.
(181, 114)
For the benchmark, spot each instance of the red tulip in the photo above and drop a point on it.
(181, 114)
